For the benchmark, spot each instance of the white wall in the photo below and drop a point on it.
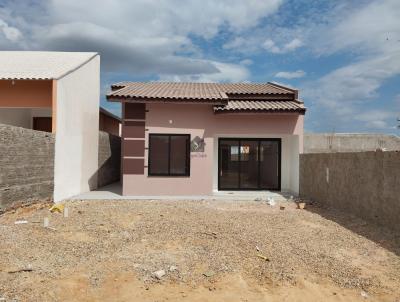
(77, 131)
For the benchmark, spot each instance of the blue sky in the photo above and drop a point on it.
(343, 56)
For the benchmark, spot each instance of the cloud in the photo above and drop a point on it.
(226, 73)
(290, 74)
(246, 62)
(373, 42)
(355, 82)
(10, 33)
(143, 37)
(377, 119)
(373, 29)
(271, 46)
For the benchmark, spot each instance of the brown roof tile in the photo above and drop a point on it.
(261, 105)
(195, 91)
(226, 97)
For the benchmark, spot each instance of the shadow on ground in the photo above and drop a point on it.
(384, 237)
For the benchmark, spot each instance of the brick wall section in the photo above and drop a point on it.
(365, 184)
(26, 165)
(109, 159)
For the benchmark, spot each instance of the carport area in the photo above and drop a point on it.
(55, 92)
(28, 103)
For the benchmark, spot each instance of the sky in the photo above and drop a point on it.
(343, 56)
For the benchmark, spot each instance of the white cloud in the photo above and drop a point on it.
(246, 62)
(141, 36)
(372, 29)
(11, 33)
(377, 119)
(355, 82)
(271, 46)
(290, 74)
(226, 73)
(292, 45)
(371, 33)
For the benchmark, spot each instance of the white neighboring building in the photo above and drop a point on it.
(57, 92)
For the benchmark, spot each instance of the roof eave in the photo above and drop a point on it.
(253, 111)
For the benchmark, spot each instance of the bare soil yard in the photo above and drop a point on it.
(209, 250)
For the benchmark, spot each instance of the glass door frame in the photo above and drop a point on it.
(239, 139)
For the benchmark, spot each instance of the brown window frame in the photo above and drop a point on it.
(187, 162)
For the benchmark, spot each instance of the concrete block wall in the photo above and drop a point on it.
(349, 142)
(26, 165)
(365, 184)
(109, 159)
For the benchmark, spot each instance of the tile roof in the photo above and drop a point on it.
(156, 90)
(226, 97)
(261, 105)
(40, 65)
(194, 91)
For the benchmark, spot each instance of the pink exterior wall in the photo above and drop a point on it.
(200, 120)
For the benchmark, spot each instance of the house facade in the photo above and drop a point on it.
(201, 138)
(56, 92)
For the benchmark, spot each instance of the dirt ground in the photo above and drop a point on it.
(209, 250)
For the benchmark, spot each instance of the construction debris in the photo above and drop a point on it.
(208, 274)
(58, 207)
(364, 294)
(159, 274)
(263, 257)
(271, 201)
(21, 222)
(301, 205)
(25, 269)
(213, 234)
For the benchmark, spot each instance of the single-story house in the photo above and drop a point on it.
(57, 92)
(109, 122)
(201, 138)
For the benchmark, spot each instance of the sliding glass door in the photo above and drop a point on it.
(249, 164)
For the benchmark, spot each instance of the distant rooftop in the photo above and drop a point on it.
(40, 65)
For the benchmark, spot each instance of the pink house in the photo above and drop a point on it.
(201, 138)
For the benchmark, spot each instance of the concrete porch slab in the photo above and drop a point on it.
(113, 191)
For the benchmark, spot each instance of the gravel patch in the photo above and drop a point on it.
(199, 240)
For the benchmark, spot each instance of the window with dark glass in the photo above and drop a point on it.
(169, 155)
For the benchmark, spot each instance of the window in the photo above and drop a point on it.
(169, 155)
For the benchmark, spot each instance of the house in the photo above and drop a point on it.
(202, 138)
(109, 122)
(57, 92)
